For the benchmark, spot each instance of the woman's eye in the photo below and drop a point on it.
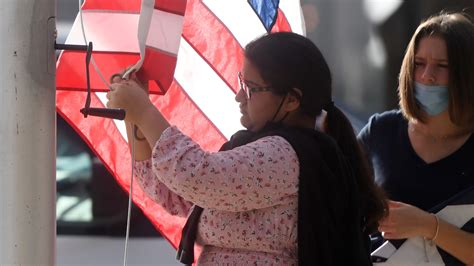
(443, 65)
(419, 63)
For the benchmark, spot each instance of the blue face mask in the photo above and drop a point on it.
(432, 99)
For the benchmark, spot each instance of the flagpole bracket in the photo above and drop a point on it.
(71, 47)
(113, 113)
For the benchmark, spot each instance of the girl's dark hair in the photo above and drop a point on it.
(287, 61)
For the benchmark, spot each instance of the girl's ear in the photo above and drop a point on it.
(293, 100)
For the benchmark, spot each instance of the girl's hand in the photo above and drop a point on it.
(117, 78)
(130, 96)
(405, 221)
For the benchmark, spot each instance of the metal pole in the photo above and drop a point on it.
(27, 132)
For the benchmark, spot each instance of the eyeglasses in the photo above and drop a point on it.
(249, 90)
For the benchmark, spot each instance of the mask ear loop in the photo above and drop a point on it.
(297, 94)
(278, 110)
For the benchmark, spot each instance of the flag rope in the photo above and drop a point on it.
(132, 144)
(85, 41)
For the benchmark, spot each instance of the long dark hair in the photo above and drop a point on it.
(286, 61)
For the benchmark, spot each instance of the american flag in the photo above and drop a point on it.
(200, 41)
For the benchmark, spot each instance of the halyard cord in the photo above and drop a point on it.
(127, 233)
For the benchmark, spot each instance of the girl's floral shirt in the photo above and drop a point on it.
(249, 195)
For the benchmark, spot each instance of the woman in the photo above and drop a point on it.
(423, 154)
(279, 192)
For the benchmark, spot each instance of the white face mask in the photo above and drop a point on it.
(432, 99)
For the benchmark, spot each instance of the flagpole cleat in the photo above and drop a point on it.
(70, 47)
(116, 113)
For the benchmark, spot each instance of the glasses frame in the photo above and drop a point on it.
(250, 89)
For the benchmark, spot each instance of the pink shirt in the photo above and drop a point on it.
(249, 195)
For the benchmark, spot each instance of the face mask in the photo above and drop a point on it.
(432, 99)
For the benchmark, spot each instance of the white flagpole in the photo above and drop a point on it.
(27, 133)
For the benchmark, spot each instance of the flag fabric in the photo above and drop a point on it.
(193, 53)
(458, 211)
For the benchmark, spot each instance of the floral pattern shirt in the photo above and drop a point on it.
(249, 195)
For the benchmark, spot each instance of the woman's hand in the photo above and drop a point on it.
(130, 96)
(405, 221)
(117, 78)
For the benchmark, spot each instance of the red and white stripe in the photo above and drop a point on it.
(199, 98)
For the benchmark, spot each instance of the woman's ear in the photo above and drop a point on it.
(293, 100)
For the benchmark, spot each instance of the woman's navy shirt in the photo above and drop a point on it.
(403, 174)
